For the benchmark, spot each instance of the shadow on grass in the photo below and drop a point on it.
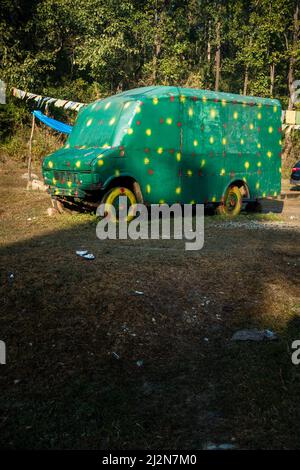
(76, 329)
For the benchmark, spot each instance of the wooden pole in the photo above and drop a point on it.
(30, 150)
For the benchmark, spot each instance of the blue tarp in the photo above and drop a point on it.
(56, 125)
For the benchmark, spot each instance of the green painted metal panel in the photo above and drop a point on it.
(180, 144)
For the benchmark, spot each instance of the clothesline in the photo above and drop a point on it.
(47, 100)
(289, 117)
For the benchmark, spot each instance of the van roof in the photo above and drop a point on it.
(167, 91)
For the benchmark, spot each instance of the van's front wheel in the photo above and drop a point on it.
(116, 206)
(232, 204)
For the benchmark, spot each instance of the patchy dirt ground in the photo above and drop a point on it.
(76, 329)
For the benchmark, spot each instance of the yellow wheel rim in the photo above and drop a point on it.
(112, 199)
(233, 202)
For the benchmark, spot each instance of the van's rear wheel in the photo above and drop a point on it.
(112, 200)
(232, 204)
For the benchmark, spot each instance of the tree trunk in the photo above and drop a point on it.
(272, 78)
(218, 55)
(157, 46)
(291, 77)
(288, 144)
(208, 45)
(245, 81)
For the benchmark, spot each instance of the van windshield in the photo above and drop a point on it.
(96, 124)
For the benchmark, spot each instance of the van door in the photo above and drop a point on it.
(192, 149)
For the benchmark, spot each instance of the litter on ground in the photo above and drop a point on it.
(254, 335)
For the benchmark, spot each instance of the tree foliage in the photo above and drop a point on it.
(86, 49)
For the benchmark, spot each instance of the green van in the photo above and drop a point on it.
(168, 144)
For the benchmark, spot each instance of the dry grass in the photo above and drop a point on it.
(62, 317)
(15, 148)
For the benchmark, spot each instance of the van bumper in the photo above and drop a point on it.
(63, 192)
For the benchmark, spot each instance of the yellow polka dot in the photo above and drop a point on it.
(54, 181)
(50, 164)
(270, 130)
(161, 201)
(138, 109)
(247, 165)
(100, 162)
(224, 141)
(112, 121)
(89, 122)
(78, 164)
(202, 163)
(259, 164)
(279, 169)
(189, 173)
(192, 202)
(182, 98)
(148, 132)
(222, 172)
(259, 105)
(69, 183)
(258, 145)
(160, 150)
(264, 194)
(105, 146)
(178, 190)
(169, 121)
(191, 112)
(195, 143)
(67, 146)
(223, 102)
(214, 199)
(275, 109)
(245, 179)
(235, 115)
(213, 113)
(269, 154)
(258, 115)
(280, 142)
(117, 172)
(155, 100)
(242, 141)
(275, 193)
(257, 185)
(130, 131)
(211, 140)
(204, 99)
(107, 105)
(251, 126)
(146, 161)
(178, 156)
(148, 188)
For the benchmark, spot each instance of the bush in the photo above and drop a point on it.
(44, 142)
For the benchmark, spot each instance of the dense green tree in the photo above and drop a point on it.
(88, 49)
